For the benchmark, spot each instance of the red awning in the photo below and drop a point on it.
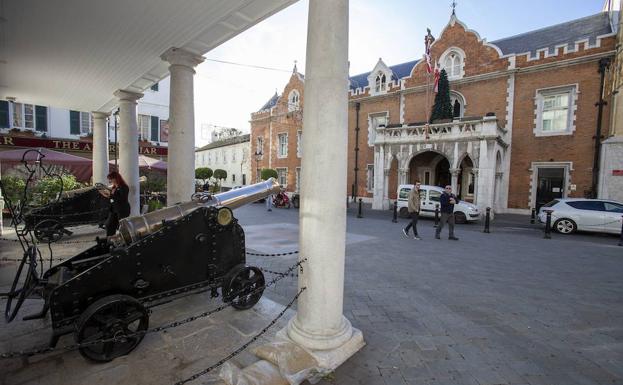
(147, 163)
(80, 167)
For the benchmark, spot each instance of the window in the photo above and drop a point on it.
(587, 205)
(282, 150)
(293, 101)
(155, 128)
(18, 115)
(144, 122)
(375, 121)
(233, 155)
(297, 186)
(299, 143)
(555, 111)
(85, 123)
(613, 207)
(404, 193)
(244, 179)
(29, 116)
(154, 87)
(380, 83)
(458, 105)
(209, 158)
(41, 118)
(233, 177)
(434, 195)
(370, 178)
(259, 147)
(452, 64)
(282, 176)
(224, 156)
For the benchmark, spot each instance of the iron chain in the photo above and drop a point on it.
(272, 255)
(33, 352)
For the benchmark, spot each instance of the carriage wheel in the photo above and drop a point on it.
(49, 231)
(245, 288)
(109, 317)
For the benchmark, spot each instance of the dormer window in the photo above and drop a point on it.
(452, 62)
(293, 101)
(381, 82)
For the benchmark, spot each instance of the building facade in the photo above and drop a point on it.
(231, 155)
(24, 125)
(523, 126)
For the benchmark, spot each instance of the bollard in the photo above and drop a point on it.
(487, 219)
(621, 239)
(533, 216)
(359, 210)
(548, 224)
(436, 215)
(395, 218)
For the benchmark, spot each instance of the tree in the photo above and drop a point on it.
(203, 173)
(218, 174)
(267, 173)
(442, 109)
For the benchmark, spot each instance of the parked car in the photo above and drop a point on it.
(580, 214)
(429, 197)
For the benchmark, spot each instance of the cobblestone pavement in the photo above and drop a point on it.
(507, 307)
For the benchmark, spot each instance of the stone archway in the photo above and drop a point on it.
(429, 168)
(466, 181)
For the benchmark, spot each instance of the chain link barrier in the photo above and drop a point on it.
(123, 338)
(272, 255)
(245, 345)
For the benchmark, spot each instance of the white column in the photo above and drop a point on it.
(454, 180)
(100, 147)
(128, 146)
(181, 148)
(379, 182)
(319, 323)
(486, 176)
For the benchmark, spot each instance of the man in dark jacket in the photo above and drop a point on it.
(446, 209)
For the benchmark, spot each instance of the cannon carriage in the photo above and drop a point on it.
(106, 291)
(75, 207)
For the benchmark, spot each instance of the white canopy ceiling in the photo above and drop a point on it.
(76, 53)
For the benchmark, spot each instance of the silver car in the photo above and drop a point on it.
(573, 214)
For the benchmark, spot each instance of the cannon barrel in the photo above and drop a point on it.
(134, 228)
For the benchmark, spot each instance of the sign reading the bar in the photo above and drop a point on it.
(617, 172)
(71, 145)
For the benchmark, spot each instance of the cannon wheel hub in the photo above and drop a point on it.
(245, 287)
(115, 316)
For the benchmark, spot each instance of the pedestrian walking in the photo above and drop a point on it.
(414, 211)
(269, 203)
(446, 209)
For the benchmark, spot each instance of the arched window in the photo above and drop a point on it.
(381, 82)
(293, 100)
(458, 104)
(452, 64)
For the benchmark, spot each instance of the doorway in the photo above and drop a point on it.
(550, 185)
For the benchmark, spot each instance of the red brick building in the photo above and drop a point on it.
(524, 125)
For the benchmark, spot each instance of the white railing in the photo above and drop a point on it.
(477, 129)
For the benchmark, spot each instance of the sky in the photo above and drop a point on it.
(227, 94)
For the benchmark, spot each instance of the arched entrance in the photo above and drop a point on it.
(466, 180)
(430, 168)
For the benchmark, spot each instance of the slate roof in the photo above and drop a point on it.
(226, 142)
(566, 33)
(270, 103)
(400, 71)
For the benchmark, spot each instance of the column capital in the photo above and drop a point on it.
(127, 96)
(100, 115)
(455, 171)
(179, 56)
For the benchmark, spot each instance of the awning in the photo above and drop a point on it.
(80, 167)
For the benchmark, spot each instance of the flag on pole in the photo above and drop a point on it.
(437, 75)
(428, 41)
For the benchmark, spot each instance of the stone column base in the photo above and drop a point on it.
(332, 358)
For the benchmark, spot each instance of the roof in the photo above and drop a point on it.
(400, 71)
(270, 103)
(226, 142)
(567, 34)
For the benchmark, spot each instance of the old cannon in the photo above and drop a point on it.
(105, 291)
(81, 206)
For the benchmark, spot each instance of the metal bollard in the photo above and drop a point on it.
(487, 219)
(436, 215)
(533, 215)
(395, 218)
(621, 239)
(359, 210)
(548, 225)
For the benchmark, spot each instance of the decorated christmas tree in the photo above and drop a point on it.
(442, 109)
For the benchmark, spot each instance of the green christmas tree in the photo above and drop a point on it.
(442, 109)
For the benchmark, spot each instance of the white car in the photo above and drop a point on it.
(429, 198)
(572, 214)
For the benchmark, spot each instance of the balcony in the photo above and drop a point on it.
(465, 129)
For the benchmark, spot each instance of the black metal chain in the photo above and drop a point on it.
(245, 345)
(19, 259)
(50, 216)
(272, 255)
(122, 338)
(58, 242)
(279, 273)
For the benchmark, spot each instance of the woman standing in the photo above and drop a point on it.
(119, 205)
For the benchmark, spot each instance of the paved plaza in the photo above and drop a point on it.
(507, 307)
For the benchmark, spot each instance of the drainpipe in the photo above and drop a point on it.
(604, 63)
(354, 187)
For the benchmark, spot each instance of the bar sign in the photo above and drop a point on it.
(617, 172)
